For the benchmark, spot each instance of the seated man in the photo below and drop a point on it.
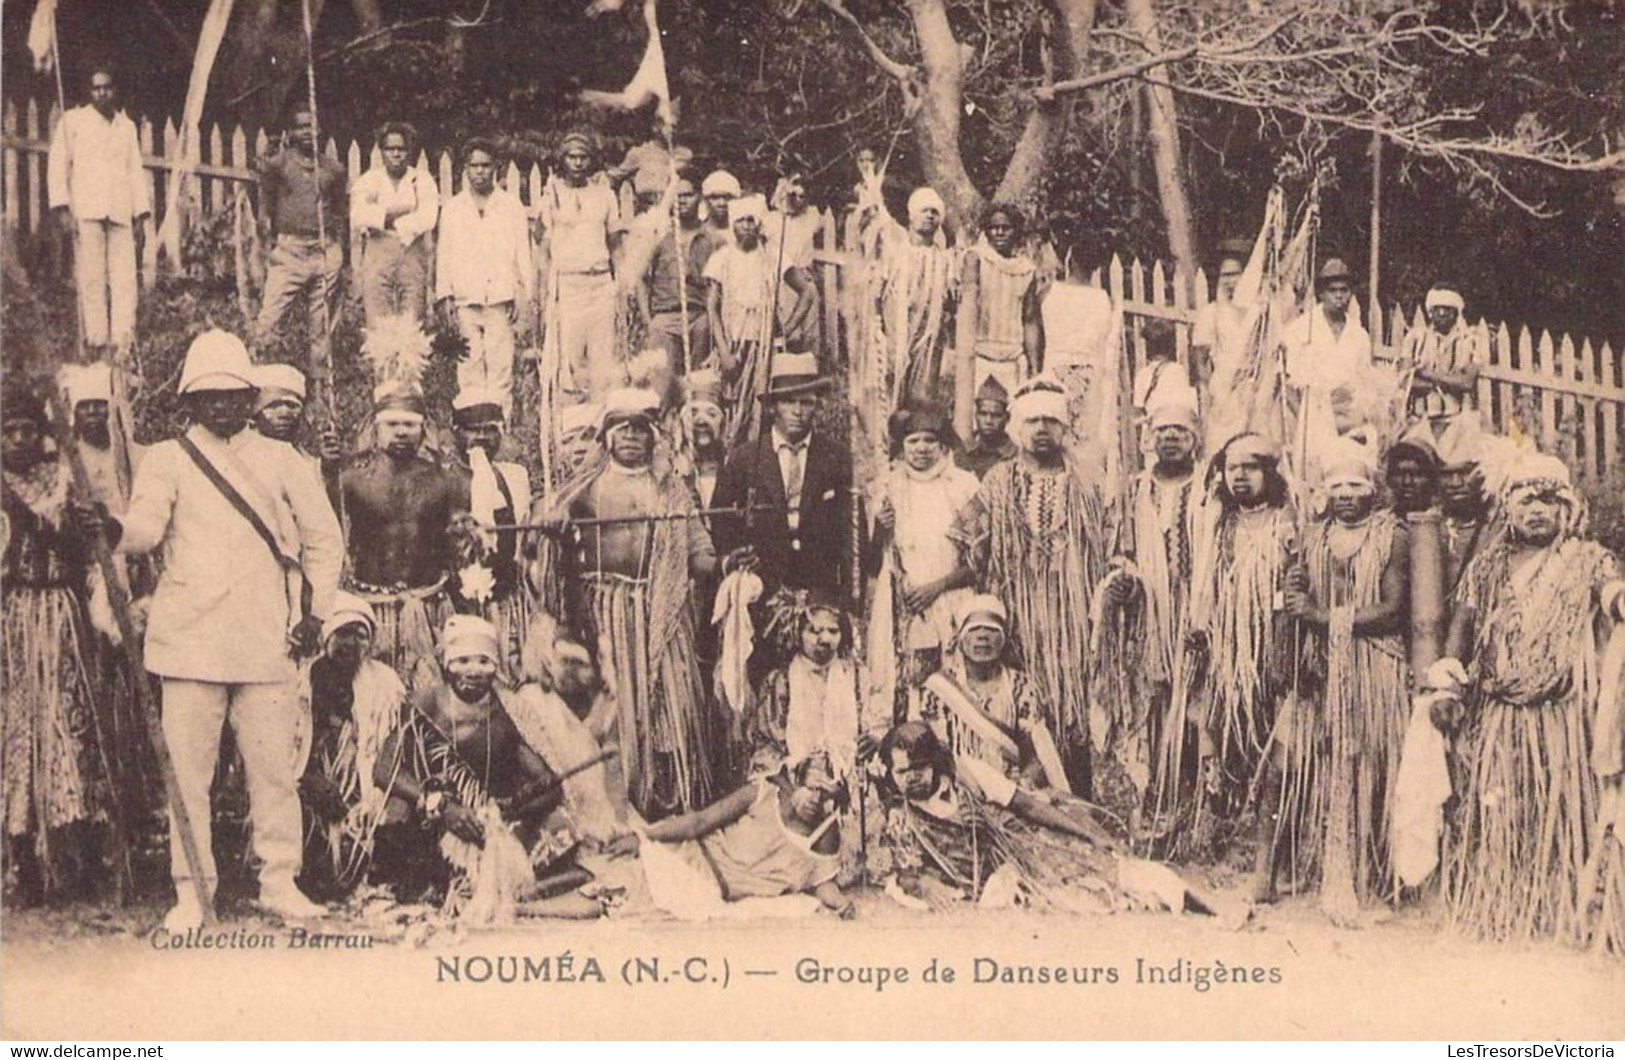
(458, 778)
(351, 702)
(982, 707)
(957, 829)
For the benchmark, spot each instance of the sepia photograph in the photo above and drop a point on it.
(773, 520)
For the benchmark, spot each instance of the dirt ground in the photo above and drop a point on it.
(88, 973)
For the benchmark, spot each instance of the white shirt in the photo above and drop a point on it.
(95, 168)
(373, 194)
(484, 255)
(222, 610)
(791, 455)
(1315, 354)
(579, 224)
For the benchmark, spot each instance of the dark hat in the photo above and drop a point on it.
(1241, 249)
(1334, 269)
(793, 374)
(992, 390)
(914, 420)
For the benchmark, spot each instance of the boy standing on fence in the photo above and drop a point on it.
(98, 190)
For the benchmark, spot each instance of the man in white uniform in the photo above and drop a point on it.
(244, 527)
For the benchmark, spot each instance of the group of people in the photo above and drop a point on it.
(1011, 622)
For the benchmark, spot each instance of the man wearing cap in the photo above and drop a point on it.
(1035, 535)
(252, 553)
(456, 772)
(1350, 597)
(747, 311)
(919, 284)
(1157, 543)
(795, 485)
(667, 293)
(484, 271)
(400, 508)
(98, 187)
(719, 189)
(89, 392)
(1327, 341)
(920, 584)
(350, 702)
(624, 577)
(1238, 638)
(487, 576)
(989, 443)
(1443, 356)
(581, 225)
(279, 414)
(304, 214)
(1535, 848)
(393, 206)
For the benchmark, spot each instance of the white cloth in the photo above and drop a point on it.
(373, 194)
(489, 363)
(926, 503)
(483, 257)
(264, 719)
(224, 605)
(95, 170)
(738, 591)
(823, 714)
(1420, 791)
(105, 268)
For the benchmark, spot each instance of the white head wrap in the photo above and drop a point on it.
(1445, 296)
(465, 635)
(720, 182)
(924, 198)
(86, 382)
(753, 206)
(1038, 403)
(348, 608)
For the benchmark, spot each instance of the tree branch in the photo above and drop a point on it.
(901, 71)
(453, 21)
(1047, 93)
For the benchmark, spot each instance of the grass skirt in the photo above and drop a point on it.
(47, 746)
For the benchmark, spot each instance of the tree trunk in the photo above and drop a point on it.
(1067, 39)
(940, 95)
(1163, 122)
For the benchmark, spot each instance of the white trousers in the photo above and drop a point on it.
(107, 282)
(490, 350)
(264, 718)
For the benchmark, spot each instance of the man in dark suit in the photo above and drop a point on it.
(795, 486)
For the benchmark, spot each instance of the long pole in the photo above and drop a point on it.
(1375, 268)
(119, 602)
(682, 255)
(322, 368)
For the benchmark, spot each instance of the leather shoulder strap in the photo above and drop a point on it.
(237, 500)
